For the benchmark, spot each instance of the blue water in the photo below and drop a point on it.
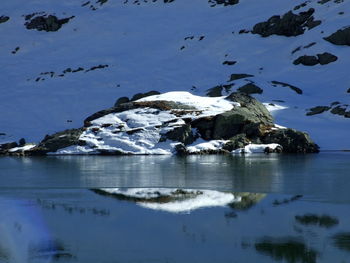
(50, 214)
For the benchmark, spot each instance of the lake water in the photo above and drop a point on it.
(286, 208)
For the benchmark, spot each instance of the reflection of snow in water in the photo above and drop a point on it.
(174, 200)
(24, 235)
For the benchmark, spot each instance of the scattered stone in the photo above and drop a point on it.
(240, 76)
(48, 23)
(287, 25)
(283, 84)
(15, 50)
(341, 37)
(250, 88)
(317, 110)
(4, 19)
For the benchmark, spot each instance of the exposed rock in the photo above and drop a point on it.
(341, 37)
(256, 108)
(229, 63)
(250, 88)
(217, 90)
(323, 59)
(287, 25)
(51, 143)
(181, 134)
(238, 141)
(317, 110)
(21, 142)
(121, 100)
(348, 91)
(4, 19)
(143, 95)
(326, 58)
(7, 146)
(306, 60)
(224, 2)
(48, 23)
(240, 76)
(339, 110)
(283, 84)
(292, 141)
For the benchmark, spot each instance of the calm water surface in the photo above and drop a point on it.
(49, 212)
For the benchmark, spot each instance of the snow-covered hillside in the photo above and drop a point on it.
(105, 49)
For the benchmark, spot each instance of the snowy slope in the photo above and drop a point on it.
(145, 49)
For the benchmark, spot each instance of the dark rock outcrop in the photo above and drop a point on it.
(250, 88)
(292, 141)
(48, 23)
(224, 2)
(52, 143)
(143, 95)
(323, 59)
(240, 76)
(341, 37)
(283, 84)
(317, 110)
(181, 134)
(287, 25)
(217, 90)
(4, 19)
(7, 146)
(306, 60)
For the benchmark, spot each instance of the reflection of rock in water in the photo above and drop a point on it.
(49, 251)
(171, 199)
(180, 200)
(342, 241)
(289, 250)
(149, 195)
(317, 220)
(4, 254)
(247, 201)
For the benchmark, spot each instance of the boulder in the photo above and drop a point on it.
(292, 141)
(341, 37)
(288, 24)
